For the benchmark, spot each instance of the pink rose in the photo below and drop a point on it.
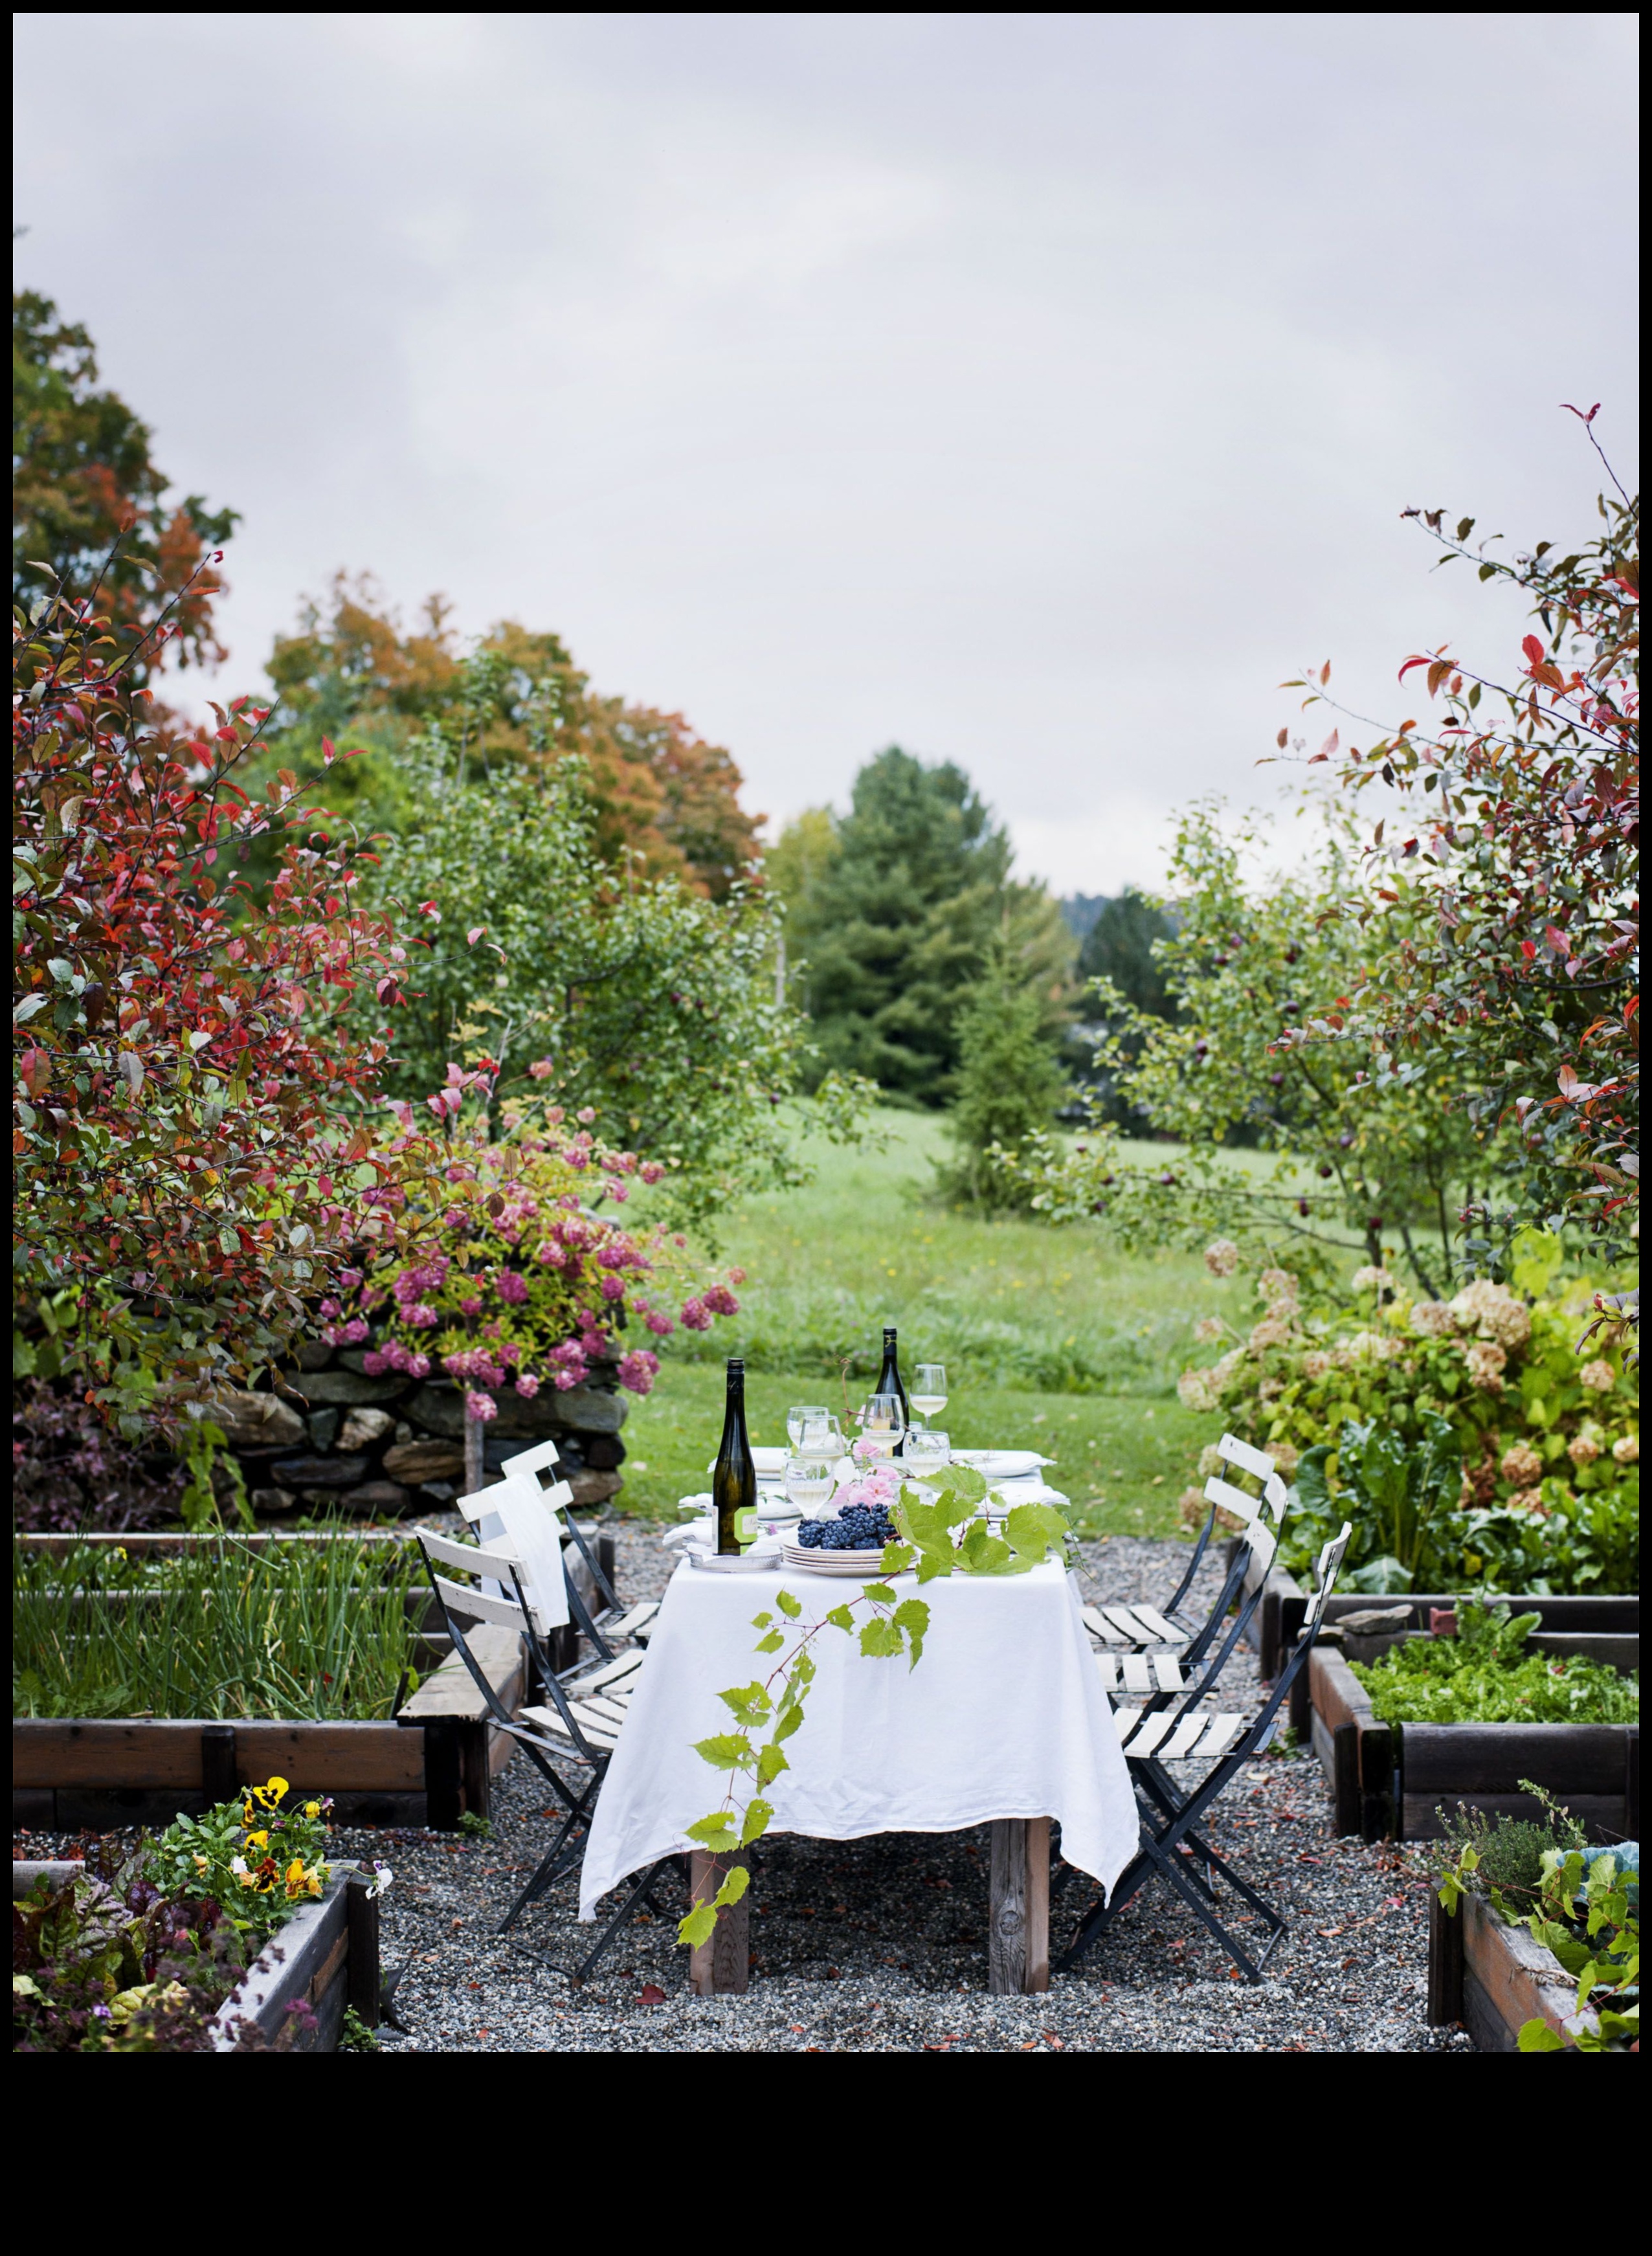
(479, 1408)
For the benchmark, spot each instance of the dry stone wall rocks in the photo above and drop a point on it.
(334, 1438)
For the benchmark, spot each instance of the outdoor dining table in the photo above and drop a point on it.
(1003, 1721)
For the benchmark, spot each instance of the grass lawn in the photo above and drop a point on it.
(1052, 1338)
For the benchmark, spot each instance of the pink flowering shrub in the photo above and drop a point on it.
(496, 1264)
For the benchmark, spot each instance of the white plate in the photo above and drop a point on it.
(1002, 1464)
(854, 1566)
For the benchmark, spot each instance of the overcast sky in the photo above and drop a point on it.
(1035, 391)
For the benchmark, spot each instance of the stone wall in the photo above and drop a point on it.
(331, 1439)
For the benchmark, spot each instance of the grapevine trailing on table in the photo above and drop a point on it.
(766, 1712)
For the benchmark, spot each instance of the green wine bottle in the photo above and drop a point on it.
(734, 1476)
(889, 1380)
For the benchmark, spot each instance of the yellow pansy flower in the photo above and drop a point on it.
(311, 1809)
(270, 1795)
(258, 1840)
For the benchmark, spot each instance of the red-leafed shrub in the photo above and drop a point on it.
(187, 1086)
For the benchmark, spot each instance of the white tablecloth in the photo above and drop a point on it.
(1003, 1717)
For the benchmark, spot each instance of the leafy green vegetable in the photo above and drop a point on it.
(1480, 1676)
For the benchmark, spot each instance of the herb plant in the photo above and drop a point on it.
(306, 1630)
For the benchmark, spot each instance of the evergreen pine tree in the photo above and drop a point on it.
(1009, 1082)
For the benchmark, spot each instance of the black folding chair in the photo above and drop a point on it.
(1170, 1847)
(587, 1710)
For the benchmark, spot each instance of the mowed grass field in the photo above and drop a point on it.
(1053, 1339)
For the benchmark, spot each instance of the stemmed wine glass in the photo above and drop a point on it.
(802, 1414)
(809, 1482)
(883, 1425)
(928, 1395)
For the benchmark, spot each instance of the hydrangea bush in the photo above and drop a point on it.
(1550, 1491)
(490, 1263)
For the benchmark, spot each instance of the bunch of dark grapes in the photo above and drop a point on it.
(858, 1527)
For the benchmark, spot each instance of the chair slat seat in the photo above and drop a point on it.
(611, 1672)
(1167, 1669)
(1123, 1619)
(1138, 1675)
(1108, 1664)
(638, 1617)
(1223, 1731)
(1147, 1734)
(1165, 1633)
(1183, 1740)
(1124, 1720)
(1104, 1629)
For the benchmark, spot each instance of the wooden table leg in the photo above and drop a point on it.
(722, 1967)
(1018, 1916)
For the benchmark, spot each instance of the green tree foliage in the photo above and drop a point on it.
(82, 474)
(1122, 946)
(893, 924)
(1009, 1082)
(518, 702)
(1246, 963)
(647, 1008)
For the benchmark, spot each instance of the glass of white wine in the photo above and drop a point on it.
(820, 1437)
(808, 1483)
(882, 1424)
(927, 1450)
(928, 1394)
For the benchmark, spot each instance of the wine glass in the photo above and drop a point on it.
(928, 1394)
(882, 1424)
(927, 1450)
(802, 1414)
(808, 1483)
(821, 1437)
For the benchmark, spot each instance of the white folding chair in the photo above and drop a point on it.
(585, 1711)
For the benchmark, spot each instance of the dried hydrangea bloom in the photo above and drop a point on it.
(1287, 1456)
(1317, 1363)
(1209, 1329)
(1626, 1450)
(1432, 1319)
(1485, 1364)
(1493, 1312)
(1222, 1373)
(1598, 1377)
(1213, 1463)
(1279, 1288)
(1270, 1389)
(1584, 1449)
(1198, 1390)
(1222, 1257)
(1530, 1499)
(1189, 1509)
(1273, 1331)
(1373, 1280)
(1521, 1464)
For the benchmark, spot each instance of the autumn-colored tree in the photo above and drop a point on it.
(84, 475)
(1502, 930)
(661, 792)
(183, 1072)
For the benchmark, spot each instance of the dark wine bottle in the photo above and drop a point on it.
(734, 1476)
(889, 1381)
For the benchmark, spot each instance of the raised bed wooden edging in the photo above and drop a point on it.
(431, 1765)
(1387, 1781)
(327, 1956)
(1492, 1977)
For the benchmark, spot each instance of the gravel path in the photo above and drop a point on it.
(880, 1945)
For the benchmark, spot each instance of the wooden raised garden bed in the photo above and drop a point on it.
(1388, 1781)
(327, 1958)
(1493, 1977)
(430, 1765)
(435, 1761)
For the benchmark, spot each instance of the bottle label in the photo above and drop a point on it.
(746, 1526)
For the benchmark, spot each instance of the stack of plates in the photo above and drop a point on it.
(857, 1566)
